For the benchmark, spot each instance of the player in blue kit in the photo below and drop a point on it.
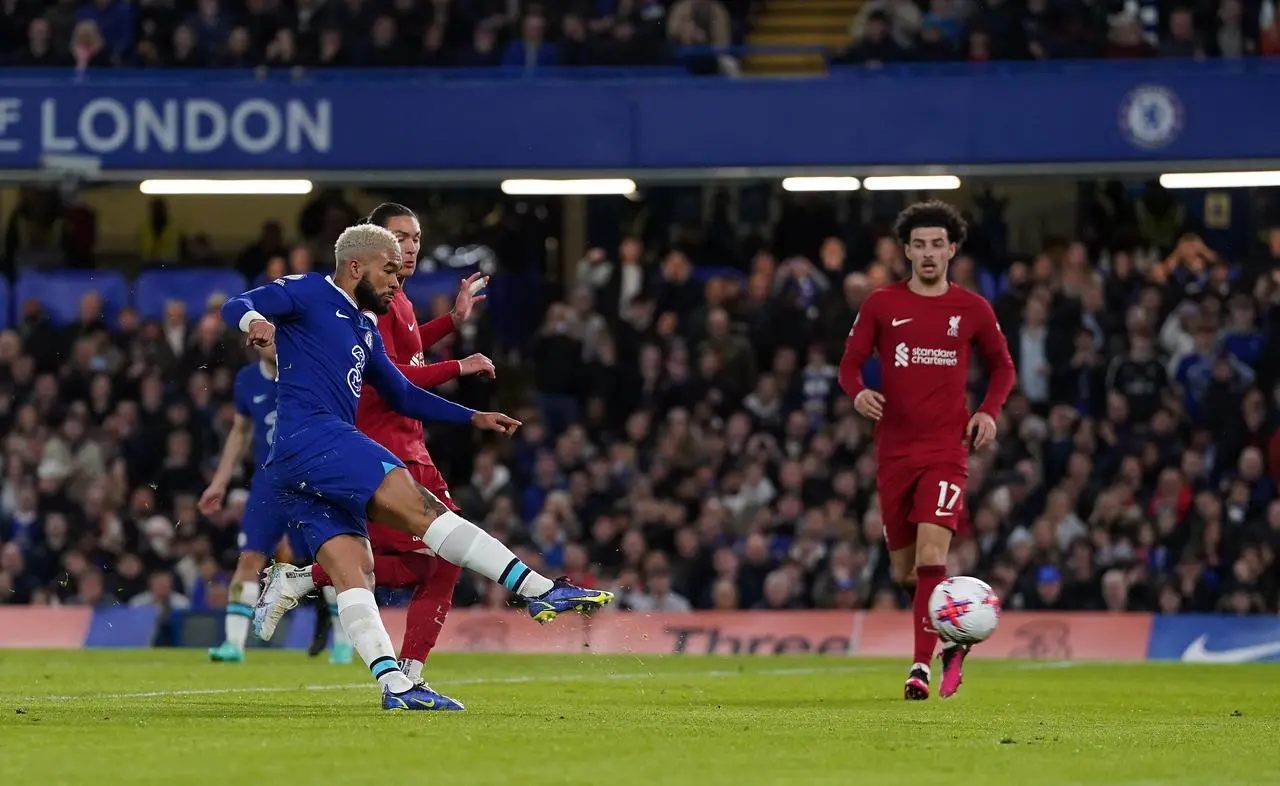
(263, 525)
(331, 478)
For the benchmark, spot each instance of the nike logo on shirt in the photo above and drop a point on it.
(898, 322)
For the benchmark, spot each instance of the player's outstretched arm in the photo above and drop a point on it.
(435, 374)
(405, 397)
(271, 302)
(232, 451)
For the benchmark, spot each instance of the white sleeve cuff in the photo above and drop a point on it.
(248, 319)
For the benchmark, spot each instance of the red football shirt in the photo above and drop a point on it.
(405, 340)
(924, 345)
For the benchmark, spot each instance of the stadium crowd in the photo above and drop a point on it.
(686, 441)
(353, 33)
(527, 34)
(982, 30)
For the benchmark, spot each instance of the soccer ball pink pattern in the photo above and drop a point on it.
(964, 610)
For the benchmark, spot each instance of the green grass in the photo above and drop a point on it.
(81, 718)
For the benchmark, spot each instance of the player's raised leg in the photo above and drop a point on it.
(402, 504)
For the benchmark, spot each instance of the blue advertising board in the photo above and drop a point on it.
(1215, 638)
(1004, 114)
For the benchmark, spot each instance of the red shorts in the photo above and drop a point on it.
(915, 492)
(385, 540)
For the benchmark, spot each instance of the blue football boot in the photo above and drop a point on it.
(565, 597)
(419, 697)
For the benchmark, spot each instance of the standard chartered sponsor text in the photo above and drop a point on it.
(928, 356)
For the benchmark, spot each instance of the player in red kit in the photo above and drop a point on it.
(401, 560)
(923, 330)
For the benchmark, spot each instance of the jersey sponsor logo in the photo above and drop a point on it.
(904, 356)
(260, 399)
(418, 359)
(269, 420)
(899, 322)
(355, 377)
(953, 327)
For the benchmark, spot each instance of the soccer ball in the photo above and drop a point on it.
(964, 610)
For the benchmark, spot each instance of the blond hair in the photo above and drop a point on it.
(364, 239)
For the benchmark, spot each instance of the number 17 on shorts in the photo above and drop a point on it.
(932, 494)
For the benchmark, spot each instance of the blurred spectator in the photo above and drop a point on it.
(531, 49)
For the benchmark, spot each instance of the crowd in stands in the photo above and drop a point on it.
(528, 34)
(373, 33)
(686, 441)
(888, 31)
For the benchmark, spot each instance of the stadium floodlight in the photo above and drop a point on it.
(586, 187)
(820, 184)
(912, 183)
(225, 187)
(1264, 179)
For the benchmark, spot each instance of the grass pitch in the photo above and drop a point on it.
(155, 716)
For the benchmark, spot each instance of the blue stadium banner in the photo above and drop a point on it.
(998, 114)
(1215, 638)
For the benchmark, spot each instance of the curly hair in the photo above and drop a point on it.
(931, 214)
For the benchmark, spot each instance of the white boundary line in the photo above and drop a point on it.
(370, 685)
(624, 676)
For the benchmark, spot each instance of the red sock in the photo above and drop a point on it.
(928, 577)
(402, 570)
(428, 608)
(319, 576)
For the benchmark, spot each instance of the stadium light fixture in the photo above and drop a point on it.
(912, 183)
(820, 184)
(587, 187)
(1264, 179)
(224, 187)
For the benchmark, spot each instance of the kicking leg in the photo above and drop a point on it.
(242, 596)
(402, 504)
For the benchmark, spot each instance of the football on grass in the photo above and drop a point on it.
(964, 610)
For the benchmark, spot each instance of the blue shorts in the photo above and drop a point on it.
(265, 523)
(324, 478)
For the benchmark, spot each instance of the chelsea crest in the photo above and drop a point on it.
(1151, 116)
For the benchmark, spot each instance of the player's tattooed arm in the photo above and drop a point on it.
(434, 506)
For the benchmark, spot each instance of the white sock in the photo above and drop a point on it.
(240, 612)
(358, 613)
(453, 538)
(412, 669)
(339, 633)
